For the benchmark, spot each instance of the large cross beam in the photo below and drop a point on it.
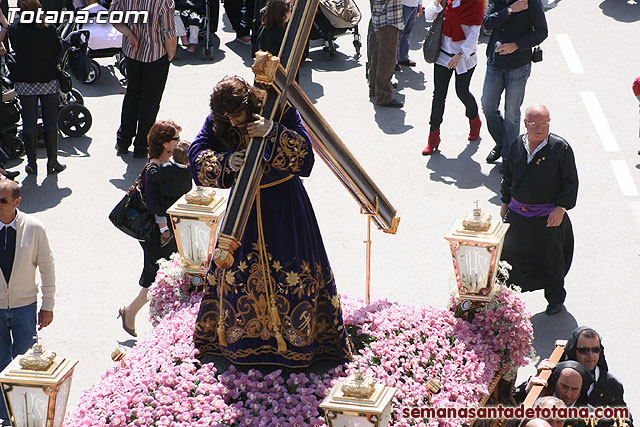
(277, 77)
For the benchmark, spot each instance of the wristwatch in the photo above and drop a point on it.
(509, 10)
(459, 53)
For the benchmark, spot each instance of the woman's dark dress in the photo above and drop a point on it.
(301, 279)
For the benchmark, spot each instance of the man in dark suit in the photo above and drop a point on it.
(24, 247)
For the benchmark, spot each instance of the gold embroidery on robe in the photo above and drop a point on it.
(209, 167)
(289, 150)
(250, 318)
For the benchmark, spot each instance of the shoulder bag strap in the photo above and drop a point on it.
(138, 182)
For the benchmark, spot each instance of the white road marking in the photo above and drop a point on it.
(624, 178)
(599, 121)
(569, 53)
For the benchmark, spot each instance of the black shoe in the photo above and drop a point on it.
(121, 151)
(393, 104)
(408, 63)
(495, 154)
(12, 174)
(553, 309)
(394, 85)
(142, 155)
(398, 67)
(53, 165)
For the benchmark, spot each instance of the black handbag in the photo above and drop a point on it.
(131, 215)
(431, 46)
(536, 54)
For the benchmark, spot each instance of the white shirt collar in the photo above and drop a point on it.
(530, 156)
(180, 165)
(11, 224)
(596, 375)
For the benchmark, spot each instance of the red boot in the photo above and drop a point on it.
(433, 143)
(474, 126)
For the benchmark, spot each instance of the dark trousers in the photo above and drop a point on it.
(382, 51)
(49, 105)
(441, 79)
(17, 328)
(152, 253)
(146, 82)
(240, 14)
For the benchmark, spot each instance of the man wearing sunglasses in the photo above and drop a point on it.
(23, 248)
(585, 346)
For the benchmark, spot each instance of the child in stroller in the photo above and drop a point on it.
(196, 16)
(104, 41)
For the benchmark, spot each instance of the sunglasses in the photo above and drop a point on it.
(176, 138)
(5, 201)
(586, 350)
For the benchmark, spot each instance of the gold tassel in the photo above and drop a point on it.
(222, 336)
(282, 346)
(268, 284)
(277, 326)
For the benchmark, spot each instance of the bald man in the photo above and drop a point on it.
(539, 186)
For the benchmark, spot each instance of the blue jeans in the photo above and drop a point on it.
(409, 16)
(513, 82)
(17, 328)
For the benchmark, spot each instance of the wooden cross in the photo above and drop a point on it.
(277, 76)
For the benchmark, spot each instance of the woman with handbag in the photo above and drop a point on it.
(459, 42)
(35, 74)
(163, 137)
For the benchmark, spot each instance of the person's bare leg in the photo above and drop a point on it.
(131, 310)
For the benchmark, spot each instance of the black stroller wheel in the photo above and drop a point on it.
(76, 97)
(94, 73)
(122, 66)
(74, 120)
(14, 146)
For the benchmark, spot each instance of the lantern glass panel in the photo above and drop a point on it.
(61, 401)
(194, 236)
(343, 420)
(29, 405)
(473, 265)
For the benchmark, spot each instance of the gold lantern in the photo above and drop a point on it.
(195, 218)
(358, 401)
(476, 245)
(35, 388)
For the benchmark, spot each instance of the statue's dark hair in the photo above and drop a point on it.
(231, 95)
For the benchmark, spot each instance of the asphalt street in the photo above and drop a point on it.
(590, 59)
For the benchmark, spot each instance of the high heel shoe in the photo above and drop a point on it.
(121, 314)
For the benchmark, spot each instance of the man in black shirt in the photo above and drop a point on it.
(517, 26)
(540, 184)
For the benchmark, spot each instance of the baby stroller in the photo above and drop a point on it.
(74, 119)
(10, 110)
(335, 18)
(104, 42)
(199, 13)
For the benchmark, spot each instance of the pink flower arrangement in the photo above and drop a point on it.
(161, 383)
(171, 290)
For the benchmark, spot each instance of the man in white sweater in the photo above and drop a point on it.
(23, 248)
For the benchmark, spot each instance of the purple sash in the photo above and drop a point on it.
(531, 209)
